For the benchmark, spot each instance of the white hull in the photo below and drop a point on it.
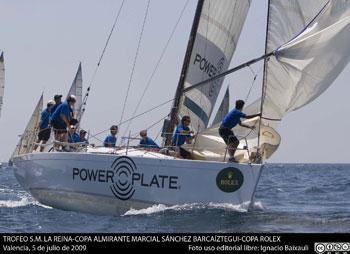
(112, 184)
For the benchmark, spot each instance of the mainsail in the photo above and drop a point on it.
(77, 90)
(2, 80)
(26, 142)
(219, 28)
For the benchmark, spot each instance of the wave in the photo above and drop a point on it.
(314, 189)
(24, 201)
(243, 208)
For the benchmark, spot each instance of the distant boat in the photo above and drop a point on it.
(2, 80)
(307, 46)
(28, 138)
(76, 89)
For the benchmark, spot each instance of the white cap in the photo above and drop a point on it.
(51, 102)
(72, 97)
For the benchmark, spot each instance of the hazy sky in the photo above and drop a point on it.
(44, 41)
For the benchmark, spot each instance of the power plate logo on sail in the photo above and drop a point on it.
(229, 179)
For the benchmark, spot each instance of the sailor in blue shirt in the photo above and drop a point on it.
(147, 142)
(82, 134)
(181, 136)
(232, 119)
(44, 128)
(62, 118)
(58, 100)
(111, 140)
(72, 136)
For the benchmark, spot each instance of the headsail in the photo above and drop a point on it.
(219, 28)
(307, 64)
(223, 109)
(25, 144)
(2, 80)
(77, 90)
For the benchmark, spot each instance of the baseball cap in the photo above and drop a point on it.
(72, 98)
(114, 127)
(51, 102)
(57, 96)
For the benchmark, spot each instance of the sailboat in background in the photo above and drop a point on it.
(2, 80)
(28, 138)
(306, 49)
(76, 89)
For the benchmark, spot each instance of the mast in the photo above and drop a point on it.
(263, 88)
(174, 110)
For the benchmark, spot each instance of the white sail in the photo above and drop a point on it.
(2, 80)
(77, 90)
(219, 28)
(223, 109)
(26, 142)
(308, 64)
(311, 39)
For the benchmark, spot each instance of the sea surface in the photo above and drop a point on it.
(289, 198)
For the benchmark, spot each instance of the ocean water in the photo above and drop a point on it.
(289, 198)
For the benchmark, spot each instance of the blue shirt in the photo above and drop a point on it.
(75, 139)
(233, 118)
(64, 109)
(178, 138)
(54, 107)
(110, 141)
(149, 143)
(44, 122)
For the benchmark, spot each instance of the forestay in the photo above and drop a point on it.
(220, 25)
(26, 142)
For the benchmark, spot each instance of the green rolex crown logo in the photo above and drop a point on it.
(229, 179)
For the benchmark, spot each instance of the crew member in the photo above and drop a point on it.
(82, 134)
(63, 118)
(44, 128)
(111, 140)
(183, 135)
(230, 121)
(147, 142)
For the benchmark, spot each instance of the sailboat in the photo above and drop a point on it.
(2, 80)
(306, 49)
(27, 139)
(76, 89)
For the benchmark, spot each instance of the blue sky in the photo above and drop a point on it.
(44, 41)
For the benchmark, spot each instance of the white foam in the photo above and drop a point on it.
(14, 203)
(186, 207)
(148, 210)
(24, 201)
(227, 206)
(258, 206)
